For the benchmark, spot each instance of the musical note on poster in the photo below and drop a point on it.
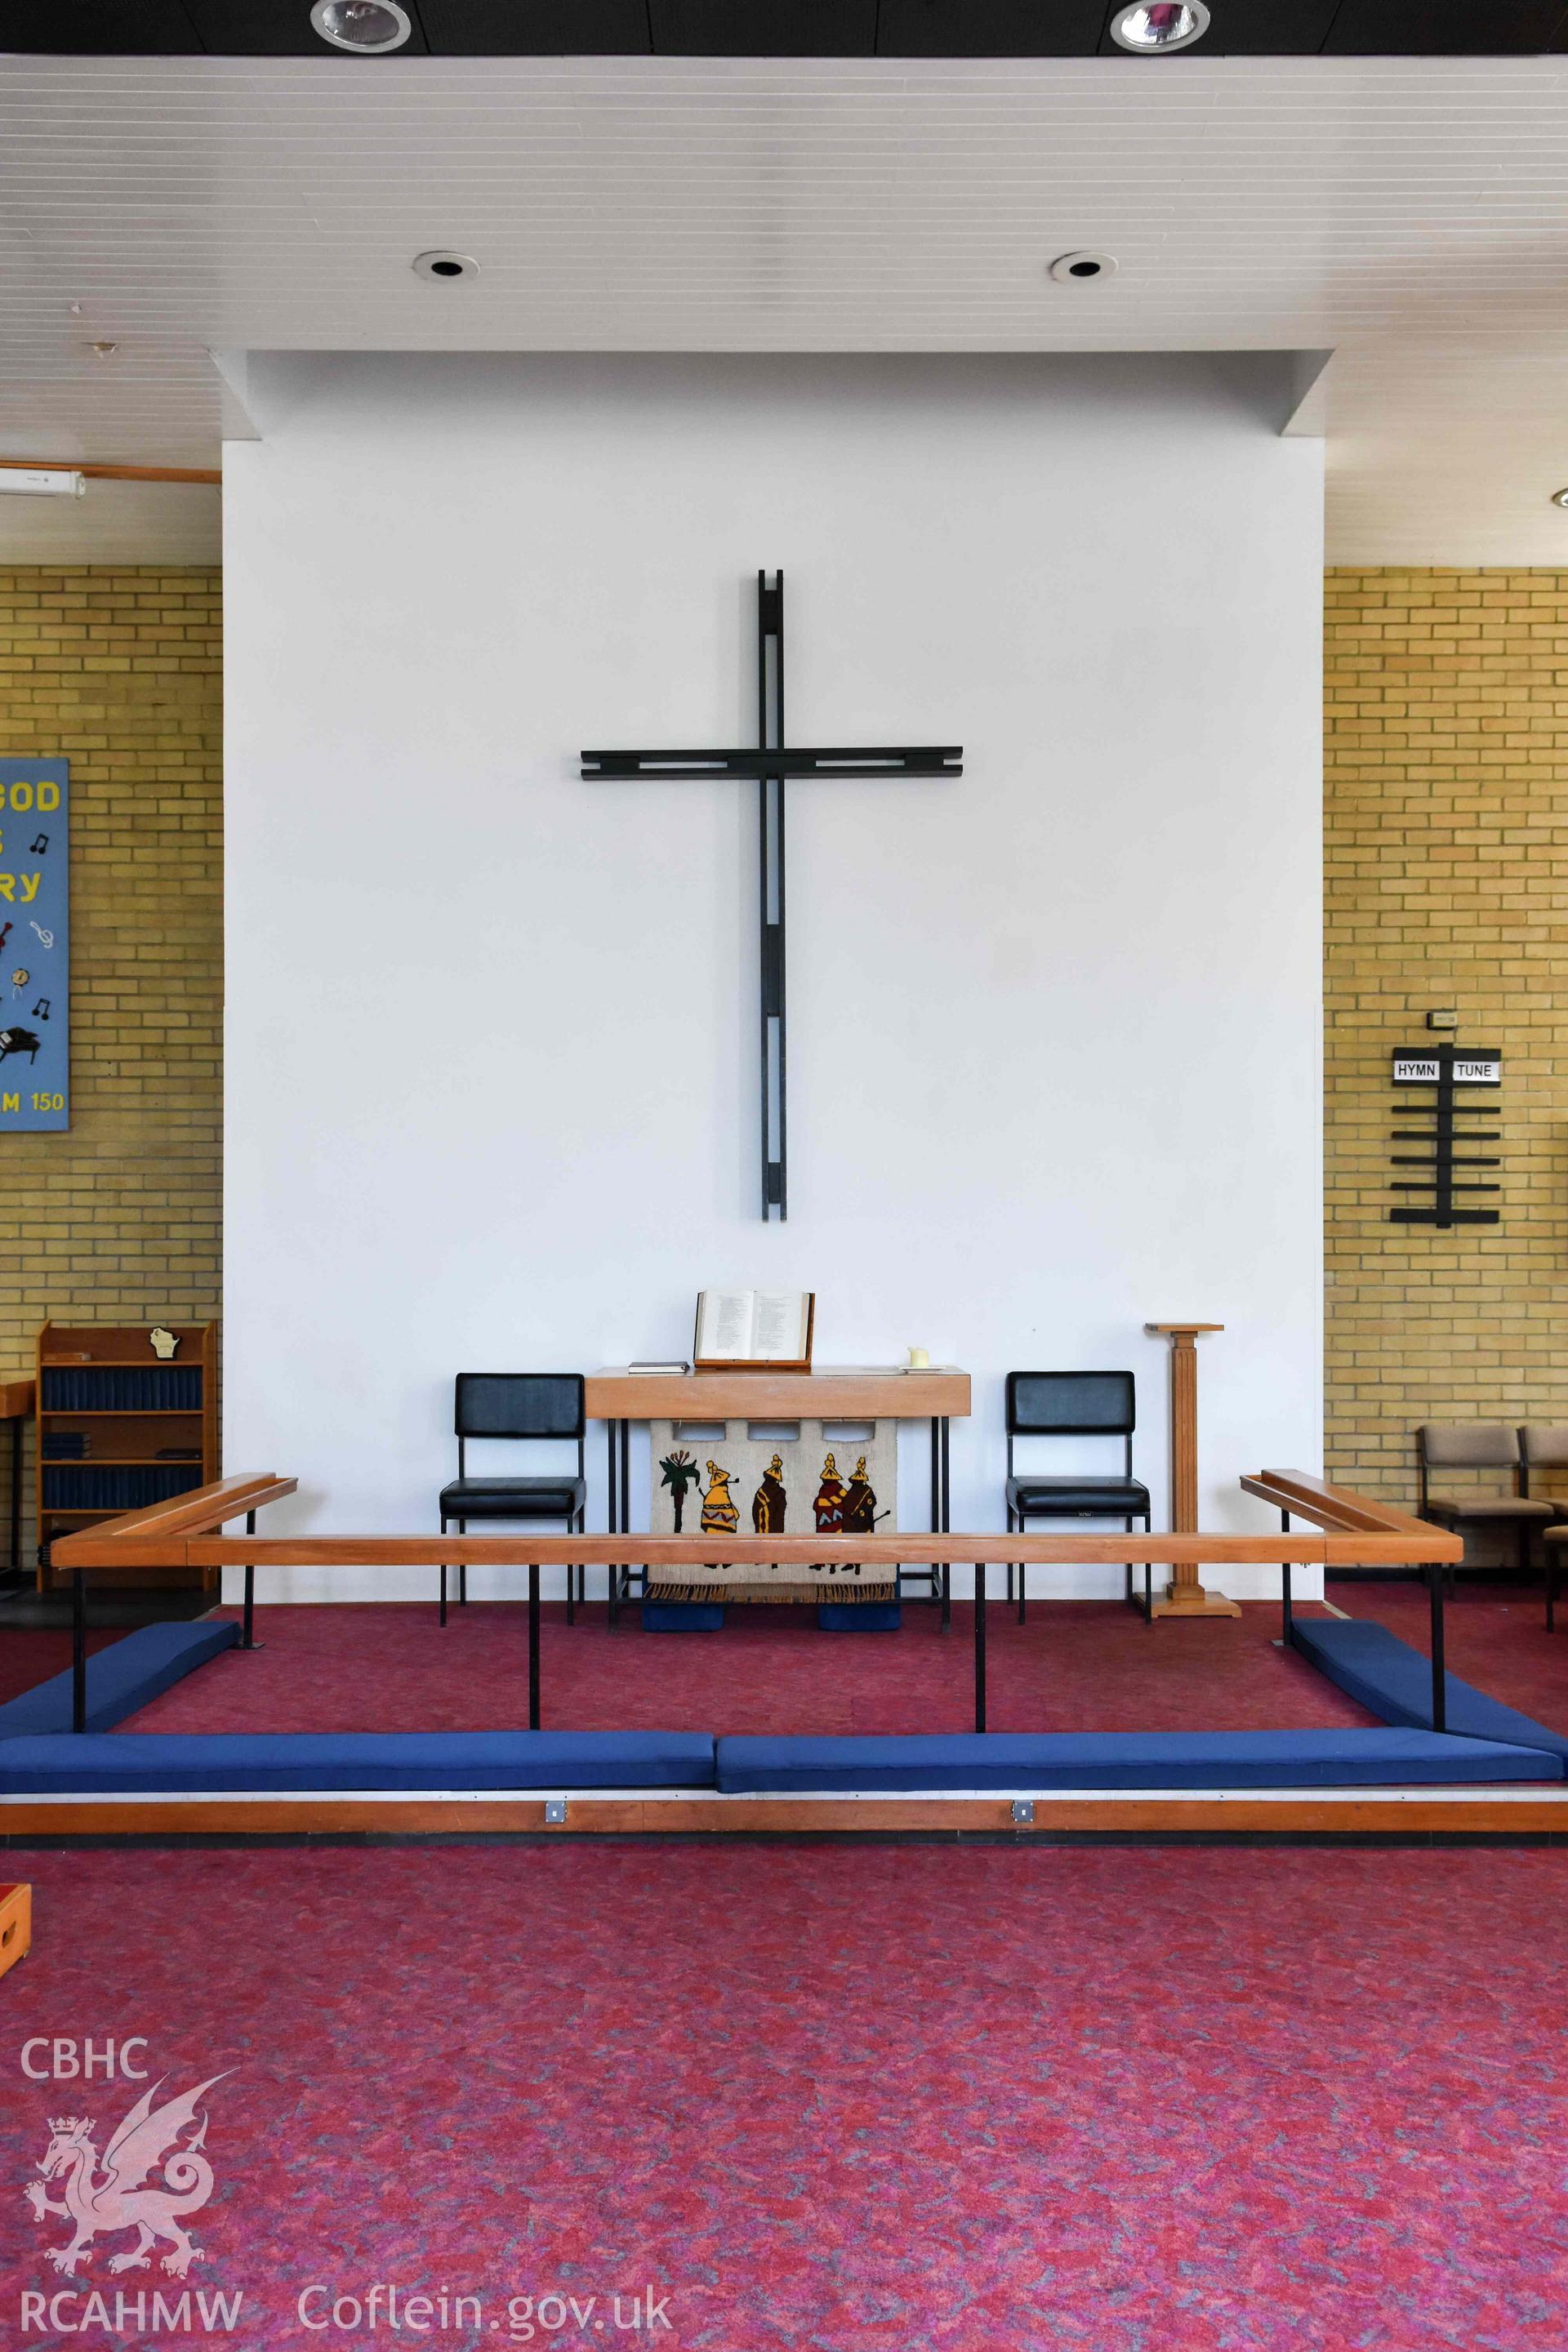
(46, 937)
(41, 1010)
(38, 844)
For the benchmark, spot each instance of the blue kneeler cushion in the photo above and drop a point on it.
(1389, 1678)
(127, 1674)
(145, 1763)
(1125, 1759)
(682, 1616)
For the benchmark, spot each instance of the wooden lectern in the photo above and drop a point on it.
(1184, 1594)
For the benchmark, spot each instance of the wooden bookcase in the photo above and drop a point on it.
(119, 1427)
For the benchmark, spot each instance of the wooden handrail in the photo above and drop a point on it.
(1329, 1505)
(1354, 1533)
(179, 1533)
(151, 1529)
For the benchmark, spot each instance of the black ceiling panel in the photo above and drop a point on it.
(98, 28)
(536, 28)
(763, 28)
(989, 28)
(1442, 28)
(1245, 28)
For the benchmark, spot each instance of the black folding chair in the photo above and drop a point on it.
(1075, 1404)
(533, 1405)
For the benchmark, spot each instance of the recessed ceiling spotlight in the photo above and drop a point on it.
(1083, 268)
(369, 27)
(1155, 26)
(1560, 497)
(445, 265)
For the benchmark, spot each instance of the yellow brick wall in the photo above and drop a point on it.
(1445, 813)
(117, 1220)
(1447, 821)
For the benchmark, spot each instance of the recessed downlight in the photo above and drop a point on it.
(1152, 27)
(1083, 268)
(369, 27)
(444, 266)
(1560, 497)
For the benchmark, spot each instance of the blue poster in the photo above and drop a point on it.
(34, 945)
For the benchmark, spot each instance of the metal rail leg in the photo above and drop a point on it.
(980, 1646)
(534, 1646)
(1439, 1672)
(247, 1640)
(78, 1650)
(1285, 1585)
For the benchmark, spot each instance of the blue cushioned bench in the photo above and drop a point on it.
(147, 1763)
(127, 1674)
(1125, 1759)
(1389, 1678)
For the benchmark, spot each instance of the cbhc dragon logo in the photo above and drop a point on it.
(112, 2196)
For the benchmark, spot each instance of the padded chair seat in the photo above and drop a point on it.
(513, 1498)
(1451, 1510)
(1089, 1498)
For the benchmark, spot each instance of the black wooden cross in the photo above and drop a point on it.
(768, 766)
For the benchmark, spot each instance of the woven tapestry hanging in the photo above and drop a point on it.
(775, 1478)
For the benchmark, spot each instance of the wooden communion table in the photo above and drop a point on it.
(938, 1396)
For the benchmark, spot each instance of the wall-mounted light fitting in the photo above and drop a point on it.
(1153, 27)
(369, 27)
(41, 482)
(1083, 268)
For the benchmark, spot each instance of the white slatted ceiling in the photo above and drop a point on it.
(1413, 214)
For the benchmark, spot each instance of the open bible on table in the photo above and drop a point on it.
(754, 1327)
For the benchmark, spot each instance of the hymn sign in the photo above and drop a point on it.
(1427, 1069)
(1448, 1129)
(34, 945)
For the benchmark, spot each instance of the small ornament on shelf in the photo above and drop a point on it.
(164, 1343)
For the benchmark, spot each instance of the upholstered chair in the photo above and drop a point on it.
(1466, 1447)
(1544, 1445)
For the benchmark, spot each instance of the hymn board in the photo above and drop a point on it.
(768, 766)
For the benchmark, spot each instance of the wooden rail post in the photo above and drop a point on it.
(1184, 1594)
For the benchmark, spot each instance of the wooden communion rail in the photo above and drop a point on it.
(1352, 1531)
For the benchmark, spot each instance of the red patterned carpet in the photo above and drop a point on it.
(1085, 1666)
(831, 2099)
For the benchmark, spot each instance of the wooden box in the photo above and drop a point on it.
(16, 1924)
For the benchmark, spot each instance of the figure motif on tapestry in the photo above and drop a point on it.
(679, 1471)
(860, 1512)
(720, 1515)
(769, 1501)
(828, 1507)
